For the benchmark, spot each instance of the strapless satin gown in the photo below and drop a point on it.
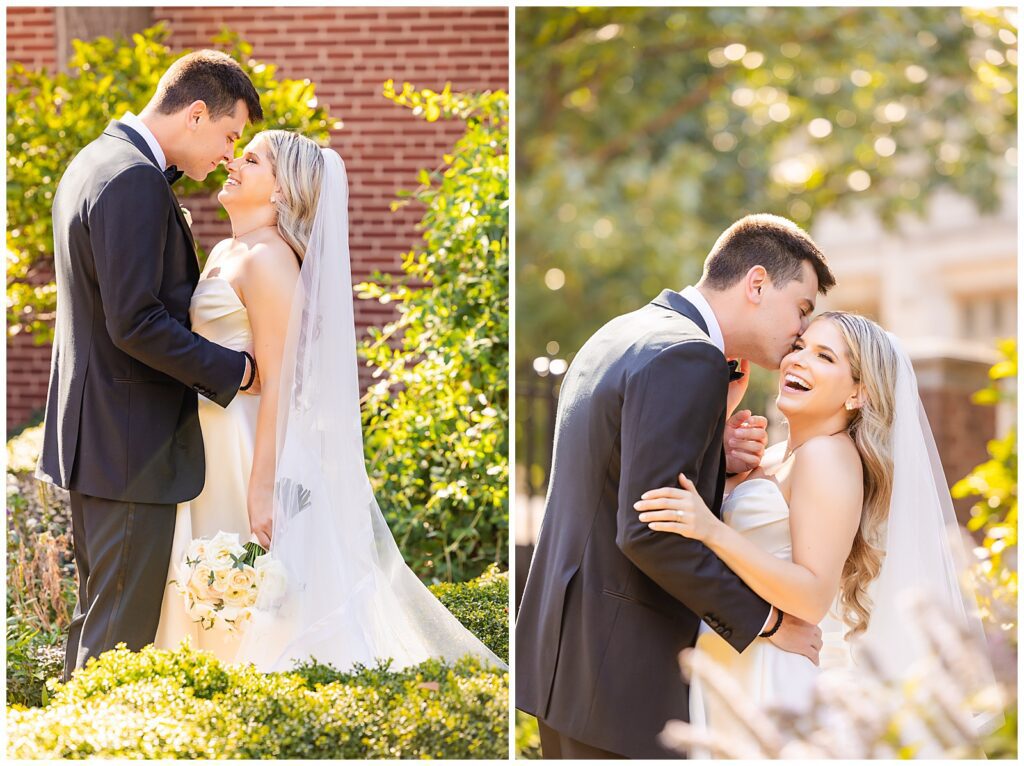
(767, 675)
(229, 433)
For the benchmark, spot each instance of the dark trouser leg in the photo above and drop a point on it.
(82, 566)
(127, 554)
(554, 744)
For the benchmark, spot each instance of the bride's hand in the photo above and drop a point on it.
(261, 515)
(745, 439)
(681, 511)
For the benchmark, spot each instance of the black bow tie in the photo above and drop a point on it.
(734, 374)
(172, 174)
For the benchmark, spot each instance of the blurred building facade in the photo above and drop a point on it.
(348, 53)
(946, 285)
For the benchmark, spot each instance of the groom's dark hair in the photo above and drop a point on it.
(209, 76)
(775, 243)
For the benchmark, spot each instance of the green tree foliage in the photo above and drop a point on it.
(51, 117)
(643, 132)
(994, 484)
(436, 425)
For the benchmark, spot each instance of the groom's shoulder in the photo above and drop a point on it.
(657, 328)
(648, 336)
(108, 158)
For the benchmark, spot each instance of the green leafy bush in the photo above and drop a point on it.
(33, 656)
(185, 704)
(51, 117)
(994, 514)
(482, 606)
(437, 422)
(527, 737)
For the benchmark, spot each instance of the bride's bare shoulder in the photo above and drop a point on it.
(271, 260)
(832, 459)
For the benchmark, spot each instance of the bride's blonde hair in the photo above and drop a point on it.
(873, 362)
(298, 165)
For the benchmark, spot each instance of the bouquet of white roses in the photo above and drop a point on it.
(221, 579)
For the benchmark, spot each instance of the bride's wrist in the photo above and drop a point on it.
(714, 536)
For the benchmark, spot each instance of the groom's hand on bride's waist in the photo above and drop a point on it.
(798, 637)
(745, 440)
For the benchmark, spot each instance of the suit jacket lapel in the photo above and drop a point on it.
(118, 129)
(188, 233)
(670, 299)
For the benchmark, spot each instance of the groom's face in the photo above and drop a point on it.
(784, 315)
(212, 141)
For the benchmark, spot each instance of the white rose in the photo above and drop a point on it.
(271, 579)
(221, 584)
(196, 550)
(244, 618)
(240, 596)
(242, 578)
(204, 613)
(199, 582)
(220, 548)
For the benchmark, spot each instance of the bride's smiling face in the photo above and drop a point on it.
(251, 181)
(815, 378)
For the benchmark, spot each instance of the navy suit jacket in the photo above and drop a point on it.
(121, 411)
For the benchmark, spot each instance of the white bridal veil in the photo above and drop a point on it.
(350, 596)
(924, 555)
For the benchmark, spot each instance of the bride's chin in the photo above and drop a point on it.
(784, 404)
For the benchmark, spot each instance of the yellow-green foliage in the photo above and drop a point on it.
(994, 483)
(436, 424)
(482, 606)
(185, 704)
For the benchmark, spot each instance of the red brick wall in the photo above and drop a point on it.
(31, 40)
(31, 37)
(348, 53)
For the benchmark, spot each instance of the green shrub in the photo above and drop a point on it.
(33, 656)
(437, 422)
(185, 704)
(482, 606)
(527, 737)
(33, 507)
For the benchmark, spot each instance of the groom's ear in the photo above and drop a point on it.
(755, 283)
(195, 112)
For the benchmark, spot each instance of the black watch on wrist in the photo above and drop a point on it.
(775, 627)
(252, 373)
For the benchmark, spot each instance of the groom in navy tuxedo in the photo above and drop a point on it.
(609, 604)
(122, 429)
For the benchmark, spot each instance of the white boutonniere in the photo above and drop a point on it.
(188, 216)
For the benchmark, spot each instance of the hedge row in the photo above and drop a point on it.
(186, 704)
(35, 655)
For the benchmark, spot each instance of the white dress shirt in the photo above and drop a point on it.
(139, 127)
(692, 294)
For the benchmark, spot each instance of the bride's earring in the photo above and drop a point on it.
(849, 405)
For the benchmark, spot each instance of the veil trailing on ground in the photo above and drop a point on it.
(349, 597)
(925, 559)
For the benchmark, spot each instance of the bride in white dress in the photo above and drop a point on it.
(286, 466)
(837, 525)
